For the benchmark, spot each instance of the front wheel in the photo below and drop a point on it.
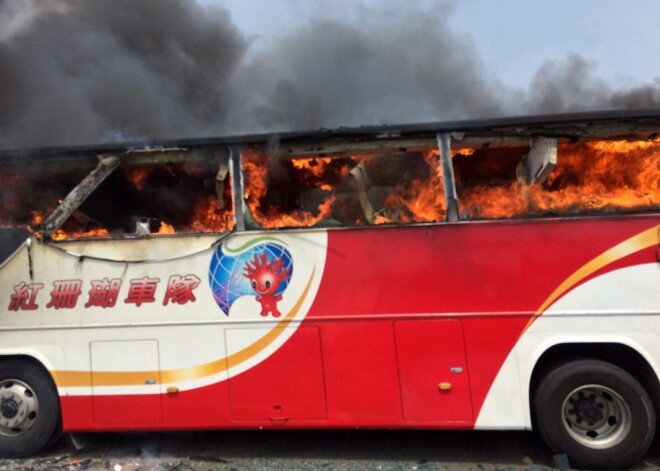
(29, 409)
(596, 413)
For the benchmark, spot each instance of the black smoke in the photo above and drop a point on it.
(89, 71)
(81, 72)
(573, 85)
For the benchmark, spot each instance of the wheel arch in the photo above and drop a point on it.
(618, 354)
(35, 358)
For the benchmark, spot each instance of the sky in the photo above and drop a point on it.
(621, 37)
(512, 37)
(76, 72)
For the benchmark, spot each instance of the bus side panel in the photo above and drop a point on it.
(494, 275)
(127, 355)
(361, 372)
(292, 390)
(433, 371)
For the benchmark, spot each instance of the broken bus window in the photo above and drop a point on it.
(354, 190)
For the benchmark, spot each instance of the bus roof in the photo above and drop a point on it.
(620, 124)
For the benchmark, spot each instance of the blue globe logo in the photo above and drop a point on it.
(227, 271)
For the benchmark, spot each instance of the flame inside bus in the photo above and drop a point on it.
(589, 177)
(596, 176)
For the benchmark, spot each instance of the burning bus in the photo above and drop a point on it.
(495, 274)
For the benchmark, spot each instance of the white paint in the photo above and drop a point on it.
(622, 306)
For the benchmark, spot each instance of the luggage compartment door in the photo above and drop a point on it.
(287, 386)
(433, 371)
(126, 382)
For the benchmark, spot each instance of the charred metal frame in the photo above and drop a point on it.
(451, 198)
(109, 163)
(79, 194)
(235, 165)
(377, 140)
(637, 125)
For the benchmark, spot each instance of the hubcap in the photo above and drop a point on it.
(596, 416)
(18, 408)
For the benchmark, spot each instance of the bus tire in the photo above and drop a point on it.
(57, 433)
(596, 413)
(29, 409)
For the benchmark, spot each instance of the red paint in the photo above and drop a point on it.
(24, 297)
(180, 289)
(140, 409)
(361, 373)
(292, 390)
(104, 293)
(65, 294)
(142, 290)
(431, 353)
(396, 309)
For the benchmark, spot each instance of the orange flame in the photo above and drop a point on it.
(137, 176)
(589, 177)
(316, 166)
(210, 218)
(423, 199)
(165, 228)
(255, 169)
(37, 218)
(96, 233)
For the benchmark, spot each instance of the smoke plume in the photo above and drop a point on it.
(80, 72)
(83, 72)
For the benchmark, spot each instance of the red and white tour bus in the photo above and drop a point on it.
(494, 274)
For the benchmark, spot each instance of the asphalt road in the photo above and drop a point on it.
(305, 450)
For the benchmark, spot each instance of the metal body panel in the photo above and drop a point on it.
(430, 325)
(475, 274)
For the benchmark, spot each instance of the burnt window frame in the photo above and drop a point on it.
(109, 163)
(526, 181)
(643, 125)
(342, 150)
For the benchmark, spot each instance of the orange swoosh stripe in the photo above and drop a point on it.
(138, 378)
(641, 241)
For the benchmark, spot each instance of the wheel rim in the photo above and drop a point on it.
(18, 408)
(596, 416)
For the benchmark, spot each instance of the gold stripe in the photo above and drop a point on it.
(137, 378)
(636, 243)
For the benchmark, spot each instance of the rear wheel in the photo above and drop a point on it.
(596, 413)
(29, 409)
